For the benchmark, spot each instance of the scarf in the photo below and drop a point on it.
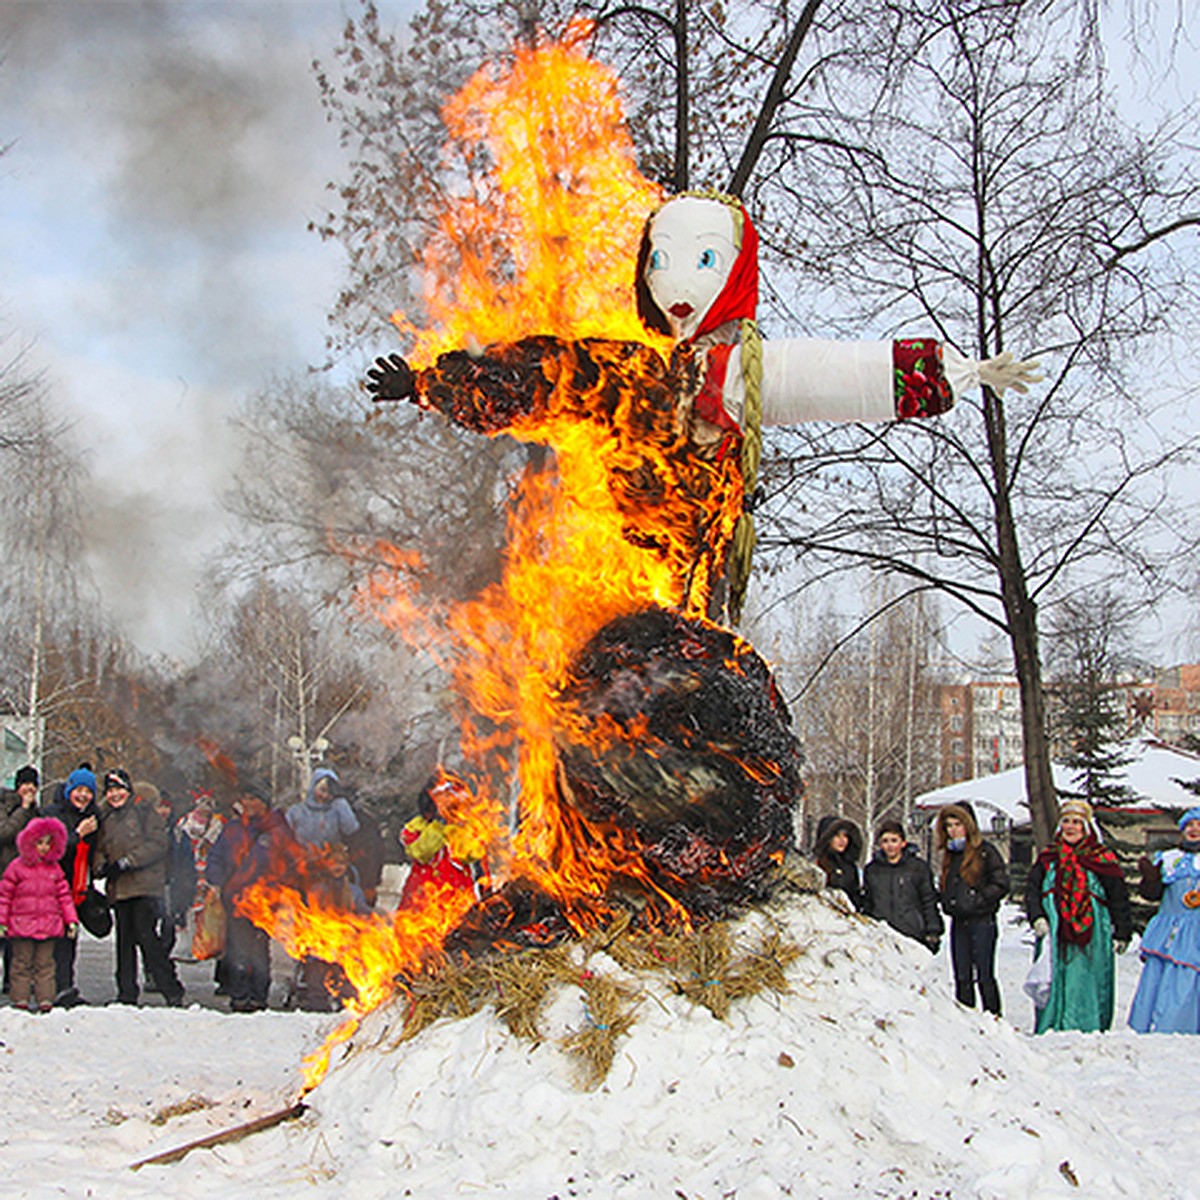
(1072, 897)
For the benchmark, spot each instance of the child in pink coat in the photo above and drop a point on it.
(36, 909)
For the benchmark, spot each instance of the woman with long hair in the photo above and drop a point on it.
(1076, 897)
(974, 880)
(837, 851)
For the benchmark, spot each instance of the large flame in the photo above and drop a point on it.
(543, 243)
(544, 240)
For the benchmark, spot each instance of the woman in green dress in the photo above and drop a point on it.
(1077, 899)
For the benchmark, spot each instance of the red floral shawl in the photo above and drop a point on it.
(1072, 897)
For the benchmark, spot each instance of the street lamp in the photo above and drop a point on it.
(307, 753)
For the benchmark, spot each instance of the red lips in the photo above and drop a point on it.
(681, 310)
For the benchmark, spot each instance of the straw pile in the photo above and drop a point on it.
(710, 966)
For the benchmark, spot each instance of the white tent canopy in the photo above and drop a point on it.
(1150, 775)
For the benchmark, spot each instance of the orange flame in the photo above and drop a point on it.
(544, 243)
(546, 240)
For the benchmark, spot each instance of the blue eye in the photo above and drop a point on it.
(708, 258)
(658, 260)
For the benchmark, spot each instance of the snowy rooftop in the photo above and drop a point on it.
(1151, 775)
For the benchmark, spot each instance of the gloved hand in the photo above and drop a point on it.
(1145, 865)
(1041, 927)
(1121, 945)
(933, 944)
(999, 373)
(1004, 371)
(391, 378)
(114, 868)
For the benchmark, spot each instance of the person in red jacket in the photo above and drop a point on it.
(441, 853)
(35, 910)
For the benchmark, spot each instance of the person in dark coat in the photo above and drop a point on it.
(837, 851)
(180, 864)
(77, 809)
(248, 850)
(17, 809)
(132, 858)
(367, 852)
(898, 888)
(974, 880)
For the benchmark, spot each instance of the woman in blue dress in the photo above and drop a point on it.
(1168, 994)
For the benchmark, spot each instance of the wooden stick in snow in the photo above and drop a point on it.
(257, 1125)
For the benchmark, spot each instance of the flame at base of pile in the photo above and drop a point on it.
(677, 774)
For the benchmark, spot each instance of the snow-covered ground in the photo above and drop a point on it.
(867, 1080)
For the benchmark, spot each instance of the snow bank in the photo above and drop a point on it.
(866, 1080)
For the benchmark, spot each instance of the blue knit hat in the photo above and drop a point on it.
(1192, 814)
(80, 777)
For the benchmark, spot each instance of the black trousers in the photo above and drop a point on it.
(64, 964)
(136, 921)
(973, 953)
(247, 963)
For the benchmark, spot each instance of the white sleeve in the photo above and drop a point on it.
(809, 379)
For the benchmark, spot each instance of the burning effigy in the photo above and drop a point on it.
(626, 756)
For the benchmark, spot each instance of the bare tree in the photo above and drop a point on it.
(866, 710)
(300, 677)
(995, 194)
(44, 590)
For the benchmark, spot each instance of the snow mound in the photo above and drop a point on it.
(867, 1079)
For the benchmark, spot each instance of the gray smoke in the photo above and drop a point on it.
(167, 159)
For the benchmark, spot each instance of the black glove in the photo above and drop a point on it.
(391, 378)
(933, 943)
(114, 868)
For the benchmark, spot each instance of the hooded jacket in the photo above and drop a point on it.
(964, 898)
(841, 870)
(318, 824)
(35, 899)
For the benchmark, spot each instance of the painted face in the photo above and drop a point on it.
(892, 845)
(691, 253)
(1073, 828)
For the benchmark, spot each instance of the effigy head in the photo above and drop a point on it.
(697, 265)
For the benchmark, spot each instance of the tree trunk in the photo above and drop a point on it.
(682, 98)
(1021, 613)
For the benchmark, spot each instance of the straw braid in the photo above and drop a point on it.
(741, 553)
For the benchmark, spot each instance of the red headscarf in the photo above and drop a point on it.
(739, 297)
